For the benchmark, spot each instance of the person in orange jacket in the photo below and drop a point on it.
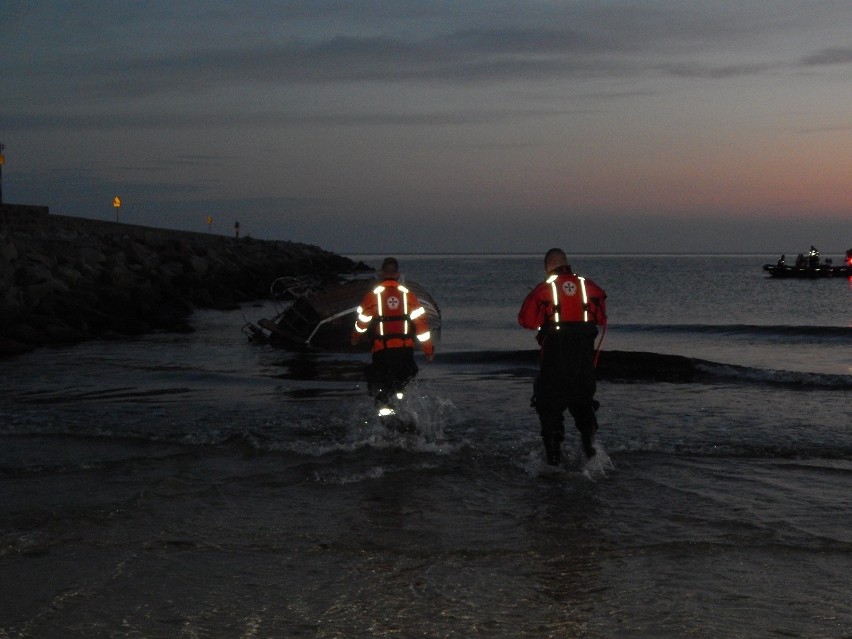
(566, 310)
(395, 320)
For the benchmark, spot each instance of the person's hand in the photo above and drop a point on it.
(430, 357)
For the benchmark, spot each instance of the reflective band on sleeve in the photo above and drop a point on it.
(362, 319)
(424, 337)
(417, 312)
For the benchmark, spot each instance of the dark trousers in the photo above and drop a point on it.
(567, 381)
(390, 372)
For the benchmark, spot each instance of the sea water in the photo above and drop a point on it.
(198, 485)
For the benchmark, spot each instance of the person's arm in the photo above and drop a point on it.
(597, 306)
(533, 311)
(421, 326)
(365, 313)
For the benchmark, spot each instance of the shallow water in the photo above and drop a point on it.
(200, 486)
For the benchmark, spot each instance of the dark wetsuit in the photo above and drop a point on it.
(390, 372)
(567, 380)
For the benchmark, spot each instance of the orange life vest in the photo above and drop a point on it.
(564, 298)
(396, 317)
(570, 299)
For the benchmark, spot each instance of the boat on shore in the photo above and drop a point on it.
(810, 267)
(321, 317)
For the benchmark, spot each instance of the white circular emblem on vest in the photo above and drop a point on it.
(393, 303)
(569, 288)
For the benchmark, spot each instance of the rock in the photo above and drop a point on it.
(35, 294)
(13, 347)
(91, 255)
(198, 265)
(25, 334)
(69, 275)
(59, 333)
(8, 251)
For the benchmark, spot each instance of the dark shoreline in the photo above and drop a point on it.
(65, 280)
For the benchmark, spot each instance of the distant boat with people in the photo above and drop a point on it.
(809, 266)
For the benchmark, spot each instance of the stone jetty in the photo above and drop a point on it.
(65, 279)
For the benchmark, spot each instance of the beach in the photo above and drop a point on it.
(197, 485)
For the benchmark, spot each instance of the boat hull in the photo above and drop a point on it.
(807, 272)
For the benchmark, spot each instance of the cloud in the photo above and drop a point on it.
(207, 120)
(831, 56)
(339, 43)
(707, 72)
(463, 57)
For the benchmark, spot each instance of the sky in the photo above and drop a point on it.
(439, 127)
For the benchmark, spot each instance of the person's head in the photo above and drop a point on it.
(390, 268)
(554, 259)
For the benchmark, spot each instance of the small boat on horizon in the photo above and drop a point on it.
(809, 267)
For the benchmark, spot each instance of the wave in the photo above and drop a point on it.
(659, 367)
(779, 330)
(290, 459)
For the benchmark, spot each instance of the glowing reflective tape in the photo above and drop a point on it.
(417, 312)
(364, 319)
(424, 337)
(552, 281)
(378, 293)
(404, 308)
(585, 299)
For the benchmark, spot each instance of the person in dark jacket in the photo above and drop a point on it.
(566, 310)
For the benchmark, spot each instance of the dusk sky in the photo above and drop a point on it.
(448, 126)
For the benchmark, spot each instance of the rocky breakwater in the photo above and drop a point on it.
(65, 280)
